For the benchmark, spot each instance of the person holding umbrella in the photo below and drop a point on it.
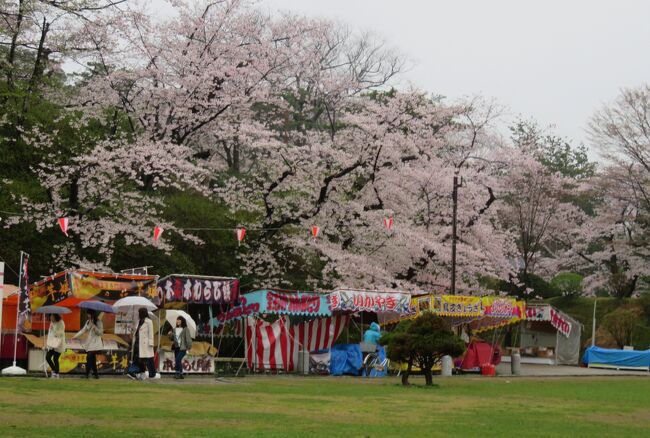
(181, 342)
(94, 328)
(55, 343)
(143, 343)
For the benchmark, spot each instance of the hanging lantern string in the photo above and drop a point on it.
(228, 229)
(13, 213)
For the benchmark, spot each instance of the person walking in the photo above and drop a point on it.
(143, 343)
(55, 343)
(181, 342)
(94, 329)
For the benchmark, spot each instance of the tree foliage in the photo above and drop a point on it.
(422, 342)
(620, 324)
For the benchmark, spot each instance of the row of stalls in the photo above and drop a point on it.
(200, 295)
(271, 330)
(286, 331)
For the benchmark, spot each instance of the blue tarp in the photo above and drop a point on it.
(346, 359)
(621, 358)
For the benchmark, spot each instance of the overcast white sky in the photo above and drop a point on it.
(553, 60)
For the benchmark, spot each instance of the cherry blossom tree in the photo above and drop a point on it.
(619, 233)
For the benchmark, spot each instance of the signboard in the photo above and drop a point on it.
(278, 303)
(560, 323)
(363, 301)
(548, 313)
(196, 289)
(457, 305)
(86, 285)
(538, 313)
(191, 364)
(74, 362)
(502, 307)
(112, 287)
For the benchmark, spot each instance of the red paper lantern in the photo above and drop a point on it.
(157, 231)
(315, 231)
(388, 223)
(63, 224)
(241, 233)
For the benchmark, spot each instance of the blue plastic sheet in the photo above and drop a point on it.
(621, 358)
(346, 359)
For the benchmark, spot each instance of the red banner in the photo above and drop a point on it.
(299, 303)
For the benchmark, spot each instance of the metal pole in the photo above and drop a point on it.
(593, 325)
(454, 197)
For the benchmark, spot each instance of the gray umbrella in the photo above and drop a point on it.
(50, 310)
(97, 306)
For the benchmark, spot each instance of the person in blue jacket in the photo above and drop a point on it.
(372, 335)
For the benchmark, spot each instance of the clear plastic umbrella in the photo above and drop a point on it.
(50, 310)
(172, 315)
(130, 306)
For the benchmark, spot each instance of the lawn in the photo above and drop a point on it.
(300, 406)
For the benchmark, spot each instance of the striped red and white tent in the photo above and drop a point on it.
(275, 346)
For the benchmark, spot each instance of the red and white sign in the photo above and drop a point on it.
(63, 224)
(191, 364)
(538, 313)
(388, 223)
(548, 313)
(560, 323)
(157, 232)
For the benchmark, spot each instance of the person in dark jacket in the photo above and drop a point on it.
(181, 342)
(143, 344)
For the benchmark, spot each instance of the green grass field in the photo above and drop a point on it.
(347, 407)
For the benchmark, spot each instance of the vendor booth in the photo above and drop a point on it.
(68, 289)
(549, 336)
(474, 314)
(202, 297)
(364, 306)
(479, 314)
(282, 327)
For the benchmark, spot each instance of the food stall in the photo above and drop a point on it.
(548, 336)
(68, 289)
(202, 297)
(364, 306)
(279, 325)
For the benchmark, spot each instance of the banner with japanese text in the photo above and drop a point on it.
(458, 305)
(24, 324)
(278, 303)
(366, 301)
(91, 285)
(199, 289)
(503, 307)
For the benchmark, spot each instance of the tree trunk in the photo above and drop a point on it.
(407, 373)
(11, 56)
(428, 377)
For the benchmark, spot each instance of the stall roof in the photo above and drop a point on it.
(483, 313)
